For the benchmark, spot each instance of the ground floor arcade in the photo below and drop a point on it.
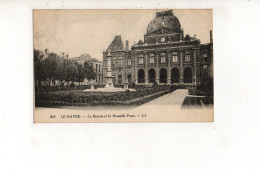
(165, 76)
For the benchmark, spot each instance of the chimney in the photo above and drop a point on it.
(211, 40)
(127, 45)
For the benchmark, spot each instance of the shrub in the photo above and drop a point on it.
(77, 98)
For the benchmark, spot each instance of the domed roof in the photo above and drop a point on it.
(164, 19)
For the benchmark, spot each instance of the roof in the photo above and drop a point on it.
(164, 19)
(116, 44)
(84, 57)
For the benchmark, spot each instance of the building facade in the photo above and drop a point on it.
(96, 64)
(165, 56)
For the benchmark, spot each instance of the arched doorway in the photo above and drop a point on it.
(151, 76)
(187, 75)
(163, 75)
(141, 76)
(175, 75)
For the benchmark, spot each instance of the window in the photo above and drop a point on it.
(151, 58)
(163, 58)
(141, 59)
(187, 56)
(174, 57)
(96, 67)
(205, 57)
(129, 62)
(113, 63)
(205, 66)
(120, 62)
(119, 79)
(99, 68)
(129, 69)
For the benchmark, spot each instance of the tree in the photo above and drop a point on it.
(39, 71)
(61, 71)
(50, 65)
(70, 71)
(81, 73)
(89, 72)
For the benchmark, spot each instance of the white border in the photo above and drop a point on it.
(232, 141)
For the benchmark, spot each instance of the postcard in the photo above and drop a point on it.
(117, 66)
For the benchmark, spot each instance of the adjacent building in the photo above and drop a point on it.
(96, 64)
(165, 56)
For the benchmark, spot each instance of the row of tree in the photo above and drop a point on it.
(52, 67)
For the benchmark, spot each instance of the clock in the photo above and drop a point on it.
(163, 39)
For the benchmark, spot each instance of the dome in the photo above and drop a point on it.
(164, 19)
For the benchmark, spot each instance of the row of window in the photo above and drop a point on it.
(187, 58)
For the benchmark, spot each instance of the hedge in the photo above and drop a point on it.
(123, 98)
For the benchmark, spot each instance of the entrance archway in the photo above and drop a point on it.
(175, 75)
(163, 75)
(151, 76)
(141, 76)
(187, 75)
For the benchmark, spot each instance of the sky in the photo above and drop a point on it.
(77, 32)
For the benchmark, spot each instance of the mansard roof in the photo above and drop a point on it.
(116, 44)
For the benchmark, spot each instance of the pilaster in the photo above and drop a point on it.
(181, 66)
(169, 68)
(157, 67)
(146, 71)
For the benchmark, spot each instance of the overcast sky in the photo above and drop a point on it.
(90, 31)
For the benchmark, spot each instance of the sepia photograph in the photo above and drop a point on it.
(145, 65)
(129, 84)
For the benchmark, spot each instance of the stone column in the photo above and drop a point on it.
(157, 67)
(146, 70)
(181, 66)
(169, 68)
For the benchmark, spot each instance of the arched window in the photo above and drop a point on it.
(151, 58)
(174, 57)
(163, 58)
(141, 59)
(187, 56)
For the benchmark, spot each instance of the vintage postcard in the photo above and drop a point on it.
(105, 66)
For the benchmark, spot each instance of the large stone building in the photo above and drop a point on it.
(165, 56)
